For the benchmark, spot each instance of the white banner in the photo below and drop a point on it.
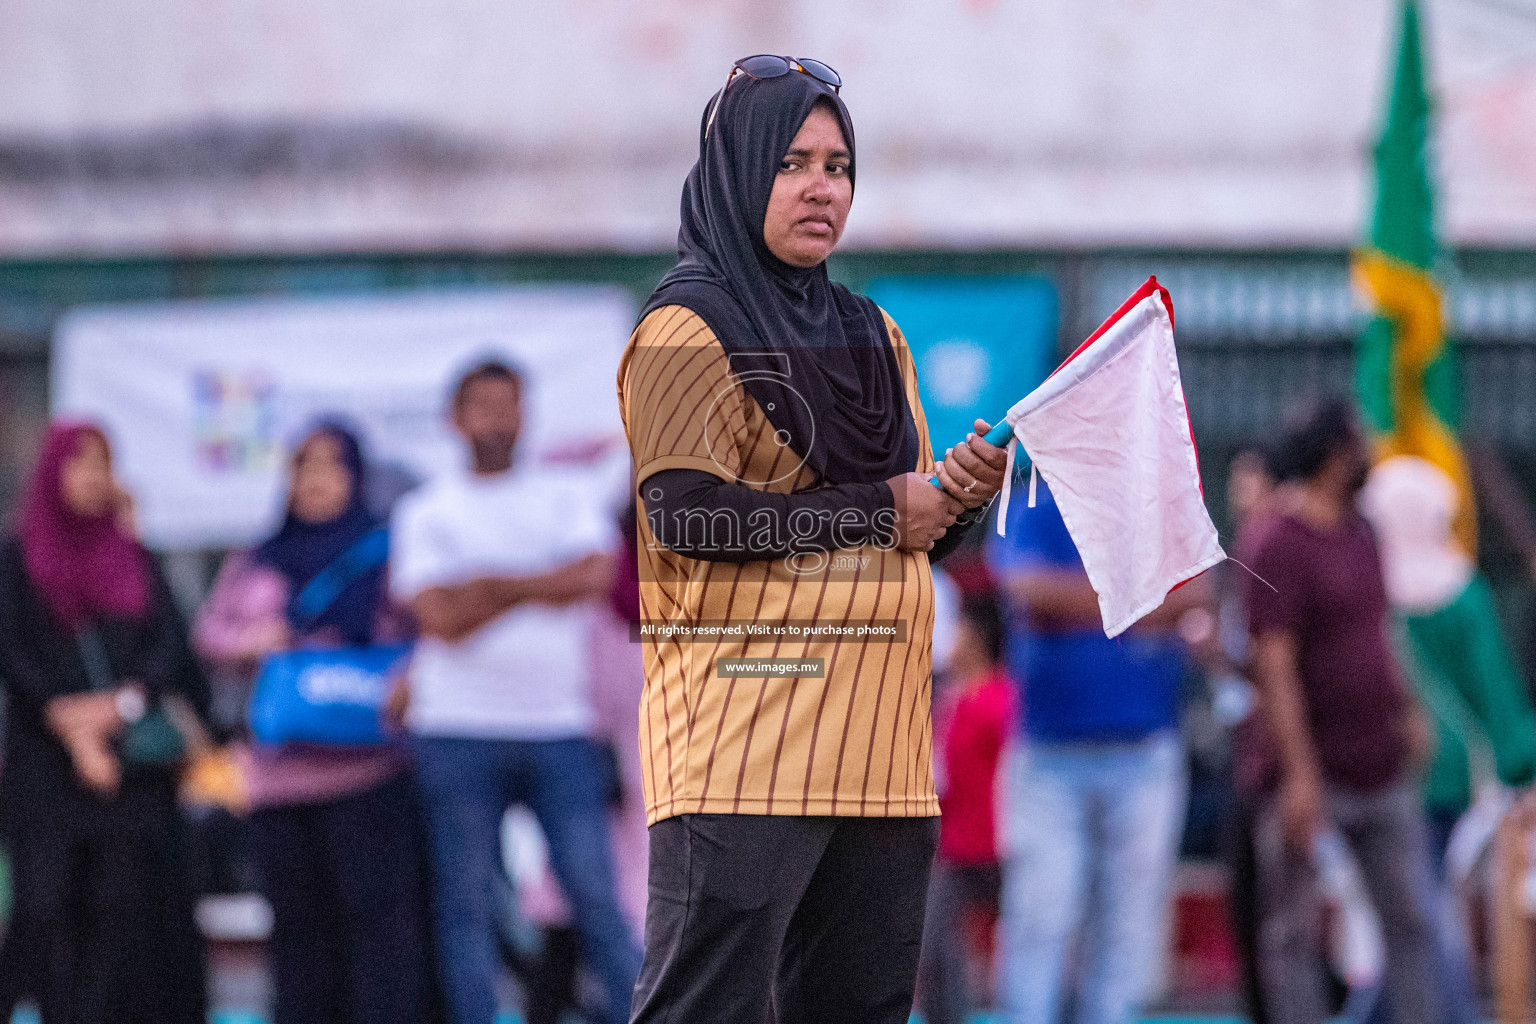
(203, 399)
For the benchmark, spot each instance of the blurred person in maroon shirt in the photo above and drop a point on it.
(972, 718)
(1346, 733)
(1250, 486)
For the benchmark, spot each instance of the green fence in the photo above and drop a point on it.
(1256, 330)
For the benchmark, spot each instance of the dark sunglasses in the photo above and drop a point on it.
(767, 65)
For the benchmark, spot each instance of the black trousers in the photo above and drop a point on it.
(1243, 901)
(102, 928)
(944, 971)
(800, 920)
(347, 882)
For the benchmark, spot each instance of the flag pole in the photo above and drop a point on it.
(998, 437)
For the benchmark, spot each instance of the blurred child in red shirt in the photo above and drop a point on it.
(973, 716)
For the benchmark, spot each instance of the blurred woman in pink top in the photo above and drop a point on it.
(336, 830)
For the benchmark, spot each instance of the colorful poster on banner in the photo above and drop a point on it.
(202, 399)
(978, 342)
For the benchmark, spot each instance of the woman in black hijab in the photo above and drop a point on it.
(775, 425)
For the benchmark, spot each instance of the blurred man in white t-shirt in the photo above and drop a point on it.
(500, 565)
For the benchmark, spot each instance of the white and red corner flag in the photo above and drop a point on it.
(1110, 431)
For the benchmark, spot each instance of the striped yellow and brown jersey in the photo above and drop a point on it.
(854, 741)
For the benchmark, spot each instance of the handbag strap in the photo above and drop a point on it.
(93, 654)
(367, 553)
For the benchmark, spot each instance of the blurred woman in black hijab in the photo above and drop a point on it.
(792, 816)
(335, 829)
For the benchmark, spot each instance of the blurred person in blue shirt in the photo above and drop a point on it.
(1093, 798)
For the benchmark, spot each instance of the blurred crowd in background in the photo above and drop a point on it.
(1073, 770)
(300, 303)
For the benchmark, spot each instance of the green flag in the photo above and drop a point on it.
(1405, 373)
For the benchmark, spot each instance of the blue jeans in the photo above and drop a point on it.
(467, 786)
(1092, 834)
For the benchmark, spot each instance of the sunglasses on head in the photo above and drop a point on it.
(766, 65)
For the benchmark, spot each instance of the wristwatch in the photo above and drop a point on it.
(130, 705)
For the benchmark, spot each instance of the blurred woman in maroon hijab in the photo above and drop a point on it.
(94, 660)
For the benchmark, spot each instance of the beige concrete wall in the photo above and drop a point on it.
(293, 125)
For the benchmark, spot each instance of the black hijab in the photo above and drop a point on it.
(300, 550)
(842, 405)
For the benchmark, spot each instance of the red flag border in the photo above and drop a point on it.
(1148, 288)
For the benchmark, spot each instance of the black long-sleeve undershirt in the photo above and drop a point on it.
(698, 515)
(952, 539)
